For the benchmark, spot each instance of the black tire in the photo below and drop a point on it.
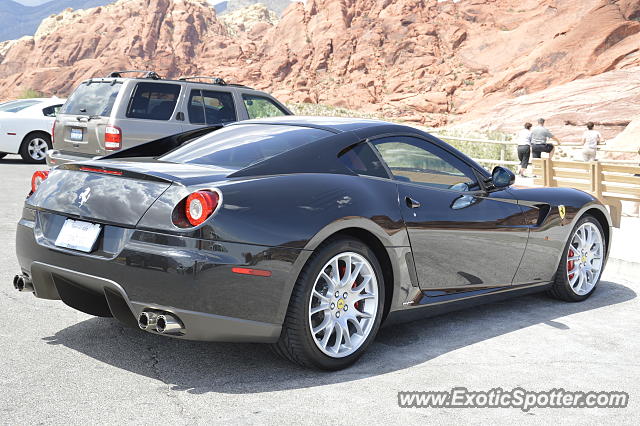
(28, 140)
(296, 340)
(561, 288)
(2, 155)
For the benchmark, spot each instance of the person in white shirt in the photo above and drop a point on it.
(524, 147)
(590, 140)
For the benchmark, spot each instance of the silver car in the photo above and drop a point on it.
(113, 113)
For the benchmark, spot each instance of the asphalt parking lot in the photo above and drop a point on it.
(61, 366)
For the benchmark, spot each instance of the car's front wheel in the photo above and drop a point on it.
(336, 307)
(582, 262)
(34, 147)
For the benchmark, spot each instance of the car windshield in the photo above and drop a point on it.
(239, 146)
(92, 98)
(16, 106)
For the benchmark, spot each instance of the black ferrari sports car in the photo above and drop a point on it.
(306, 233)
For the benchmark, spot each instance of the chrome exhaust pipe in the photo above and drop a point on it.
(147, 320)
(22, 283)
(167, 323)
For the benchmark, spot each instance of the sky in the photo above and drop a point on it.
(39, 2)
(32, 2)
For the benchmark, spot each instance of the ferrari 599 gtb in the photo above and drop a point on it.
(305, 233)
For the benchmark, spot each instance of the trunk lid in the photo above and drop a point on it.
(111, 192)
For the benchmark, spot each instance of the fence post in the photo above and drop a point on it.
(547, 169)
(503, 152)
(596, 179)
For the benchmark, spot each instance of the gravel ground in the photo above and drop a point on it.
(62, 366)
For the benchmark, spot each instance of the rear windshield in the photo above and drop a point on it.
(16, 106)
(237, 147)
(92, 98)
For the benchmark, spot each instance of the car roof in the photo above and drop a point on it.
(342, 128)
(36, 104)
(225, 86)
(38, 101)
(332, 124)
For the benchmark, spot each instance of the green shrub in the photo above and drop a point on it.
(31, 93)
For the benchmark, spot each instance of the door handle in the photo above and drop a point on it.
(411, 203)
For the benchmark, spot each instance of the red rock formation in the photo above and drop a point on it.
(611, 100)
(421, 60)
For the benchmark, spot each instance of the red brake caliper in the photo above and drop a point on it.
(570, 264)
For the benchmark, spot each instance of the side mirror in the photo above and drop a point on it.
(502, 178)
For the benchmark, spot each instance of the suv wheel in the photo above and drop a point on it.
(335, 308)
(34, 147)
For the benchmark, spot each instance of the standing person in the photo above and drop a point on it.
(524, 148)
(540, 136)
(590, 140)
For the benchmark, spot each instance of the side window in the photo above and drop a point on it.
(51, 111)
(195, 108)
(211, 107)
(153, 101)
(361, 159)
(218, 107)
(260, 107)
(418, 161)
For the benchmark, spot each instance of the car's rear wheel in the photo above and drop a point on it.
(2, 155)
(582, 262)
(34, 147)
(335, 308)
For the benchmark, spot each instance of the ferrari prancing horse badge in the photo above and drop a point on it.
(562, 211)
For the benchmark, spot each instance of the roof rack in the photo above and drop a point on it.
(147, 74)
(214, 80)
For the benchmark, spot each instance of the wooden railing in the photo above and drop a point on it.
(573, 148)
(610, 183)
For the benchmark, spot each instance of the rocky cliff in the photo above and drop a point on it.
(277, 6)
(243, 20)
(425, 61)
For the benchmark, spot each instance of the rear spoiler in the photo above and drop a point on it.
(113, 170)
(158, 147)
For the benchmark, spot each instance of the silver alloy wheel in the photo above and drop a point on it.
(584, 258)
(37, 148)
(343, 304)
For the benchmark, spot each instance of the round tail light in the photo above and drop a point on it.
(37, 178)
(200, 205)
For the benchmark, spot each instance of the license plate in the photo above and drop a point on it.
(78, 235)
(76, 134)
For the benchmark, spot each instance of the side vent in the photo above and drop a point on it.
(543, 212)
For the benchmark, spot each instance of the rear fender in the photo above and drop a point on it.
(397, 247)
